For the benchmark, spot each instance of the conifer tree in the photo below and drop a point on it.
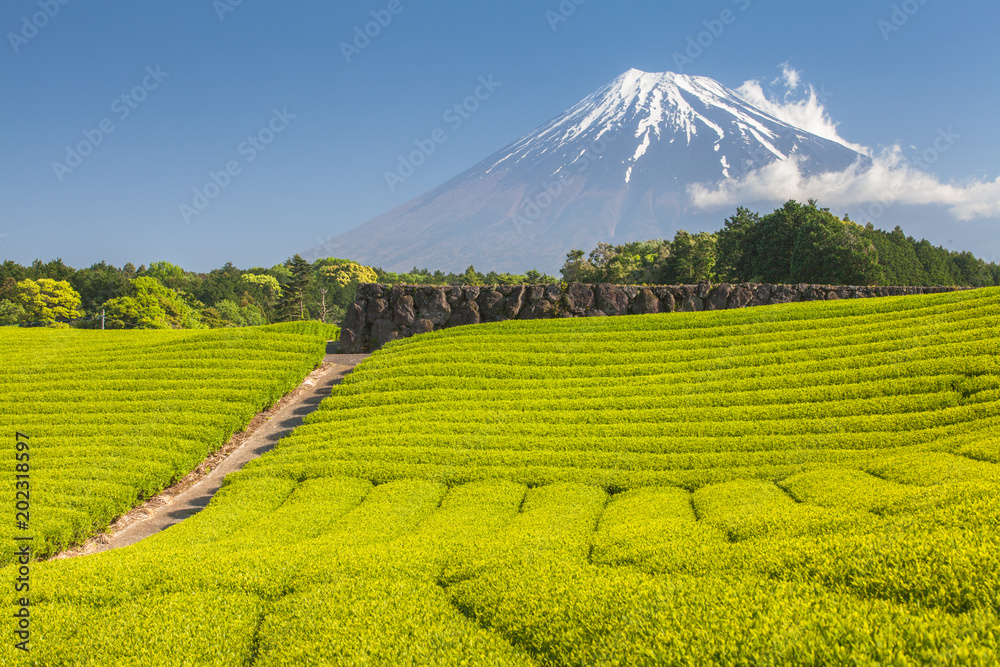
(293, 298)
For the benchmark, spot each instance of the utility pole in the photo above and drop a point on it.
(102, 319)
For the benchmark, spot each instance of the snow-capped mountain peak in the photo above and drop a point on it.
(615, 166)
(664, 107)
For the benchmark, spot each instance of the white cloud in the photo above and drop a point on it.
(887, 180)
(789, 76)
(807, 112)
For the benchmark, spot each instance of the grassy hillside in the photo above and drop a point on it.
(682, 399)
(802, 484)
(114, 416)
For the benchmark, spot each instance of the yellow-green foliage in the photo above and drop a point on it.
(114, 416)
(796, 485)
(45, 300)
(344, 272)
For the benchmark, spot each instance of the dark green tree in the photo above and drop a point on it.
(293, 297)
(770, 244)
(97, 284)
(471, 277)
(971, 270)
(796, 243)
(12, 270)
(53, 270)
(8, 288)
(221, 284)
(692, 258)
(533, 277)
(732, 259)
(827, 251)
(898, 263)
(576, 269)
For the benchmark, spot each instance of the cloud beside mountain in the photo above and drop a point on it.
(890, 177)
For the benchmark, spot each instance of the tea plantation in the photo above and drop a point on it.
(787, 485)
(115, 416)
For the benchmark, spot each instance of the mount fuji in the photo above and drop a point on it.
(615, 167)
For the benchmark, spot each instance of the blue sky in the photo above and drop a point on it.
(201, 77)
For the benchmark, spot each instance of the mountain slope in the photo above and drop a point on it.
(615, 167)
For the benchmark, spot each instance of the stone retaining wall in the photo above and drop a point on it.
(386, 312)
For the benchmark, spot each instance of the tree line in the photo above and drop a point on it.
(797, 243)
(163, 295)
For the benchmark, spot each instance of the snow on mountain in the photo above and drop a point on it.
(614, 167)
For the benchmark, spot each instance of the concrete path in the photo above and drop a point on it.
(188, 498)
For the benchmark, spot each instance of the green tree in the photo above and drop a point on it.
(937, 268)
(211, 318)
(344, 272)
(796, 243)
(494, 278)
(293, 298)
(11, 270)
(827, 251)
(281, 272)
(8, 289)
(53, 270)
(173, 276)
(46, 300)
(11, 313)
(98, 284)
(576, 269)
(267, 283)
(692, 258)
(134, 312)
(232, 314)
(972, 270)
(472, 277)
(261, 290)
(220, 284)
(611, 263)
(148, 304)
(533, 277)
(769, 244)
(898, 262)
(732, 258)
(633, 263)
(654, 260)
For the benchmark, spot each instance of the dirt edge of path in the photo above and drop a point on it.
(335, 365)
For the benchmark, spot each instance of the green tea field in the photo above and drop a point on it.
(115, 416)
(804, 484)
